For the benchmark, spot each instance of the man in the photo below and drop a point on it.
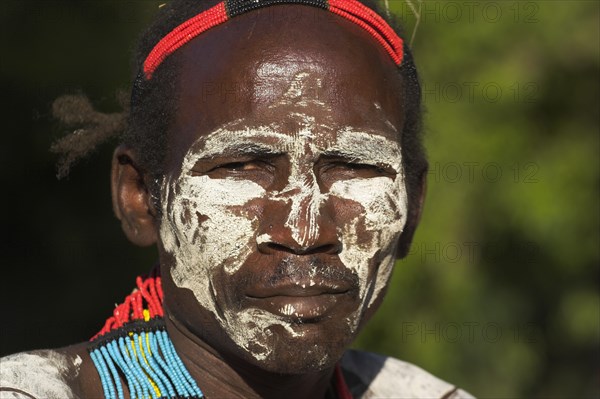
(272, 156)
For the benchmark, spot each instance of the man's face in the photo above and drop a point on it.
(285, 196)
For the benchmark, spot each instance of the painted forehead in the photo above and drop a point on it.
(334, 65)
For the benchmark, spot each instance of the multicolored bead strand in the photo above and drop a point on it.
(134, 346)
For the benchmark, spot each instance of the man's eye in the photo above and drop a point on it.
(242, 167)
(239, 166)
(361, 167)
(365, 167)
(349, 170)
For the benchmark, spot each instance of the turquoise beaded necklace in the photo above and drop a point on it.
(134, 347)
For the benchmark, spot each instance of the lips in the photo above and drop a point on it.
(304, 309)
(303, 301)
(300, 289)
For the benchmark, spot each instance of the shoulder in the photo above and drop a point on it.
(369, 375)
(39, 374)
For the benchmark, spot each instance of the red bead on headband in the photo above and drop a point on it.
(352, 10)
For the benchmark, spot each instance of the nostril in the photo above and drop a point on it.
(274, 247)
(267, 245)
(271, 247)
(331, 249)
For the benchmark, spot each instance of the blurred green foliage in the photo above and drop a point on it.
(500, 293)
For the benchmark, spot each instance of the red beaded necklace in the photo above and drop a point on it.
(142, 313)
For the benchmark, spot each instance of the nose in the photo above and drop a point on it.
(278, 235)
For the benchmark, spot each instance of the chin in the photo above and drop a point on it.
(300, 348)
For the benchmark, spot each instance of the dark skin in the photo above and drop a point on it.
(347, 75)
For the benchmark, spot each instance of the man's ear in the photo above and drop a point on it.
(414, 216)
(132, 202)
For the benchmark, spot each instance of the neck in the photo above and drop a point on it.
(218, 377)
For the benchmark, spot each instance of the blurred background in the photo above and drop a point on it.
(500, 293)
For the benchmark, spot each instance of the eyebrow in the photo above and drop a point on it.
(360, 156)
(239, 149)
(351, 144)
(365, 147)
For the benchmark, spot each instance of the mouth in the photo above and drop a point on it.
(301, 302)
(299, 289)
(302, 290)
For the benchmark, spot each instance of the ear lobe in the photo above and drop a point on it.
(132, 202)
(412, 221)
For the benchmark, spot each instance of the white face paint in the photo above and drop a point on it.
(208, 228)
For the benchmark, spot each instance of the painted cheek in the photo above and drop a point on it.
(374, 232)
(223, 239)
(205, 229)
(382, 198)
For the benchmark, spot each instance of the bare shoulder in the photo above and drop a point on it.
(370, 375)
(51, 373)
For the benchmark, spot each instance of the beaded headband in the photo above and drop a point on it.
(352, 10)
